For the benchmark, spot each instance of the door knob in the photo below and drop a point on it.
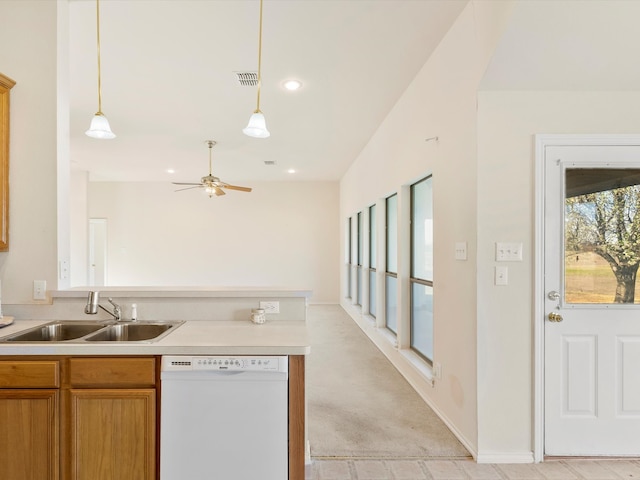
(555, 317)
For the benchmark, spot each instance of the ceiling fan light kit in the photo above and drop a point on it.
(257, 126)
(212, 185)
(99, 127)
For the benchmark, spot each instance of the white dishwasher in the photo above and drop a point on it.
(224, 418)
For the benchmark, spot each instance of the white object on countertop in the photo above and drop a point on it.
(134, 312)
(258, 315)
(5, 321)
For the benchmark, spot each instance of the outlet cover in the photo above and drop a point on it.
(270, 307)
(39, 289)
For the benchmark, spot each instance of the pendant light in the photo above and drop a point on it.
(99, 124)
(257, 126)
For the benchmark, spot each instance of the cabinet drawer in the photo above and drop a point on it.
(112, 371)
(29, 374)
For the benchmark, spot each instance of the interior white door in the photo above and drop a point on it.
(592, 319)
(97, 251)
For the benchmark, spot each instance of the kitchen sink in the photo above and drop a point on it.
(132, 332)
(58, 331)
(105, 331)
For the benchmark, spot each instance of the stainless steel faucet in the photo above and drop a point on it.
(93, 304)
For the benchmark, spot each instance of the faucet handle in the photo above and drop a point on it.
(116, 309)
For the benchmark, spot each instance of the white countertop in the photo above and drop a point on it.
(186, 292)
(194, 337)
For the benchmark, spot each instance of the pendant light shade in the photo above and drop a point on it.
(257, 126)
(99, 127)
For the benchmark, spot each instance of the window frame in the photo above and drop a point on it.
(390, 273)
(413, 279)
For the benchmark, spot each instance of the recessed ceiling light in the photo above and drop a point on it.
(292, 85)
(291, 170)
(170, 170)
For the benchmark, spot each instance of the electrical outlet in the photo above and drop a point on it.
(437, 370)
(39, 289)
(270, 307)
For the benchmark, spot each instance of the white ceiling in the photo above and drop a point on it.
(588, 45)
(168, 83)
(168, 80)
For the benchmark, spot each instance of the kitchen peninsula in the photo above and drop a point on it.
(66, 389)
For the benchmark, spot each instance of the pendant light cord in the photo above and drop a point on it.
(99, 72)
(259, 59)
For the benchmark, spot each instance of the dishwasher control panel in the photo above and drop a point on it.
(225, 363)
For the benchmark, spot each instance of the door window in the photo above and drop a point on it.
(602, 236)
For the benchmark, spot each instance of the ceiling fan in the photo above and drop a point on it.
(212, 185)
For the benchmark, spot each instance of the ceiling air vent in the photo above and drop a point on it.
(247, 79)
(269, 162)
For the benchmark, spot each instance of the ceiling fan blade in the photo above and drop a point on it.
(218, 191)
(188, 188)
(235, 187)
(183, 183)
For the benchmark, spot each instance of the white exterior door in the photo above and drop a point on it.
(592, 316)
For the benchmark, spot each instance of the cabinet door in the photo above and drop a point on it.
(29, 434)
(113, 434)
(5, 85)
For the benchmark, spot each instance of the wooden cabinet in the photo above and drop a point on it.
(5, 85)
(78, 418)
(112, 434)
(110, 421)
(29, 420)
(95, 418)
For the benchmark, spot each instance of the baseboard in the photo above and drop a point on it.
(420, 382)
(524, 457)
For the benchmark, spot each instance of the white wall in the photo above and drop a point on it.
(280, 234)
(28, 33)
(79, 228)
(440, 102)
(507, 122)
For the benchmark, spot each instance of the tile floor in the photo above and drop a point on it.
(461, 469)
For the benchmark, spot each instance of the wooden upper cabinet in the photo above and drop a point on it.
(5, 85)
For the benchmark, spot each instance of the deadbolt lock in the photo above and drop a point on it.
(555, 317)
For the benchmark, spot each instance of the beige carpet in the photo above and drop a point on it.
(358, 403)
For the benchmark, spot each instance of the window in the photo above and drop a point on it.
(391, 273)
(421, 278)
(372, 260)
(359, 254)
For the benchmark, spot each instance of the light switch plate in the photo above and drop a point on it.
(461, 250)
(508, 252)
(502, 276)
(39, 289)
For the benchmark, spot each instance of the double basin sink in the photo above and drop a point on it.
(101, 331)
